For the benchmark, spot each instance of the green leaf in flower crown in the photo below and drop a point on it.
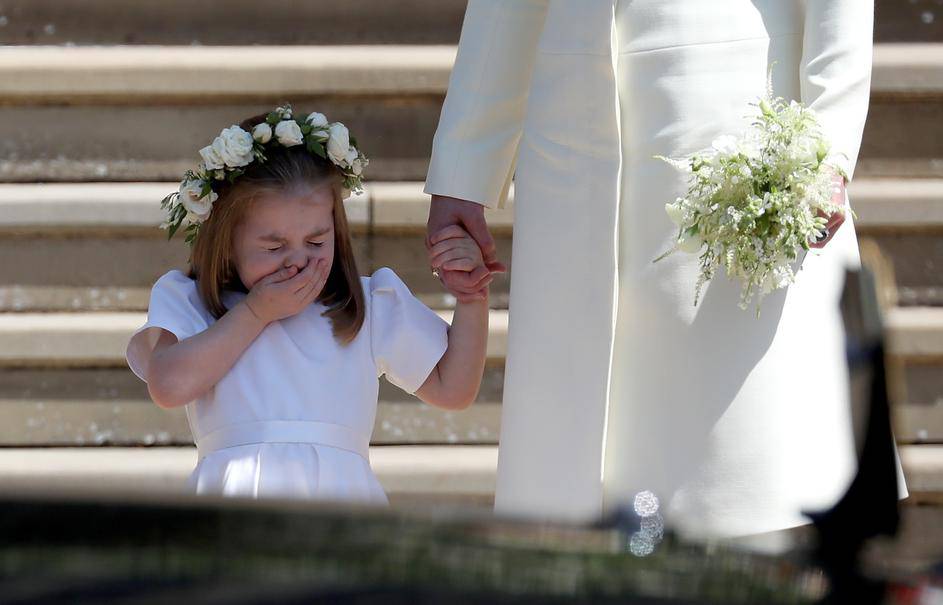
(173, 229)
(305, 128)
(316, 148)
(273, 118)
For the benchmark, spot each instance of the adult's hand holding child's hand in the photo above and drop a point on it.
(453, 249)
(288, 291)
(446, 211)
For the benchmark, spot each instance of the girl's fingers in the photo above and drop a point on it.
(449, 244)
(310, 293)
(480, 278)
(279, 276)
(459, 281)
(306, 276)
(468, 282)
(460, 264)
(440, 255)
(313, 288)
(444, 257)
(450, 232)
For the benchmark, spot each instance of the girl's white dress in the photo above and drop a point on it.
(294, 415)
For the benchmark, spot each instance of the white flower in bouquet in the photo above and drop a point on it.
(755, 202)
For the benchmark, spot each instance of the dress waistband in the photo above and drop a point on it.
(285, 431)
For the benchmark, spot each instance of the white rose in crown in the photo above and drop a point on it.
(319, 125)
(262, 133)
(211, 159)
(338, 144)
(288, 133)
(198, 208)
(351, 157)
(234, 147)
(317, 120)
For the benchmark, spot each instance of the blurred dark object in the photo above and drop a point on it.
(908, 21)
(72, 550)
(870, 507)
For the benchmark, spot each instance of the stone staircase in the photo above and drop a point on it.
(105, 105)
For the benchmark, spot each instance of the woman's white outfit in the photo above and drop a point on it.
(615, 382)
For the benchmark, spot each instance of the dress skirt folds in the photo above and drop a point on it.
(616, 383)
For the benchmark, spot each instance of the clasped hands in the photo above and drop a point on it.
(461, 248)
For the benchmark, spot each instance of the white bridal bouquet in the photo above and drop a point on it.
(756, 201)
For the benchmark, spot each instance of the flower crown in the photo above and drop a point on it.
(226, 159)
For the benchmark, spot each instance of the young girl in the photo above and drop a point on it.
(273, 342)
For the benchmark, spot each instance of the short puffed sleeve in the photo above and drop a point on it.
(175, 306)
(408, 338)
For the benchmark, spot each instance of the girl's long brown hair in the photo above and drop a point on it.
(212, 264)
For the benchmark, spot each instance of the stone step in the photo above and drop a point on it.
(905, 218)
(54, 340)
(911, 21)
(132, 423)
(64, 381)
(923, 467)
(111, 406)
(179, 98)
(393, 207)
(33, 416)
(161, 75)
(228, 22)
(161, 104)
(409, 474)
(133, 208)
(48, 75)
(58, 340)
(94, 246)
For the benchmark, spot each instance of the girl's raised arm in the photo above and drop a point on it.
(180, 371)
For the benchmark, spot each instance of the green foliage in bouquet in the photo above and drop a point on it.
(755, 202)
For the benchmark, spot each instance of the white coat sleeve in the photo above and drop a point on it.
(836, 71)
(475, 146)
